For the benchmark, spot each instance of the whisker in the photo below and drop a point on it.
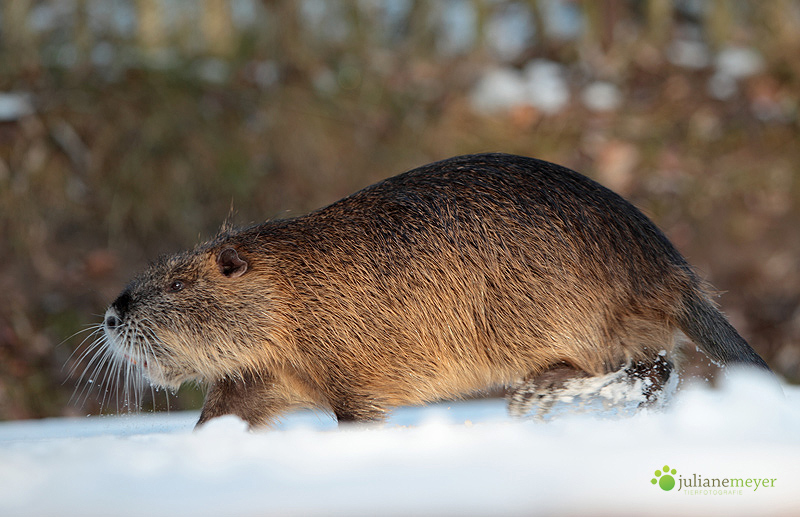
(94, 349)
(87, 327)
(75, 361)
(113, 366)
(100, 355)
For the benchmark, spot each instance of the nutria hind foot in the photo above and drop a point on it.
(636, 385)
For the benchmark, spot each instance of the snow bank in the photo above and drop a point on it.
(456, 459)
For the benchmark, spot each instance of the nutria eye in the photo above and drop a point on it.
(176, 286)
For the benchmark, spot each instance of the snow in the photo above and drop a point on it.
(601, 96)
(15, 105)
(499, 89)
(509, 30)
(731, 65)
(689, 53)
(540, 84)
(464, 458)
(739, 62)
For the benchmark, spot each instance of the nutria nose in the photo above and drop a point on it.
(112, 321)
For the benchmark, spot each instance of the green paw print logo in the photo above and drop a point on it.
(664, 478)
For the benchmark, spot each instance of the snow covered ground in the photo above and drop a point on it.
(463, 458)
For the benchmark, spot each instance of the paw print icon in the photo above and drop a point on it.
(664, 479)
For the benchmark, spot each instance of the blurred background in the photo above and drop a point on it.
(129, 128)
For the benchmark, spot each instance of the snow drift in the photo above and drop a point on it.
(464, 458)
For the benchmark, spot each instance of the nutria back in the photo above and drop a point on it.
(465, 274)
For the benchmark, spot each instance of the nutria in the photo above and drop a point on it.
(462, 275)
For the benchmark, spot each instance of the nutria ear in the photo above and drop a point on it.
(230, 264)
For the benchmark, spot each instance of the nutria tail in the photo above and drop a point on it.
(704, 324)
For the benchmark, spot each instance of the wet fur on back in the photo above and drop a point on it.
(465, 274)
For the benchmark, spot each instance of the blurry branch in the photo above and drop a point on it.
(538, 19)
(83, 33)
(420, 29)
(150, 29)
(70, 142)
(218, 28)
(357, 21)
(659, 21)
(481, 19)
(18, 41)
(720, 22)
(781, 20)
(601, 18)
(289, 48)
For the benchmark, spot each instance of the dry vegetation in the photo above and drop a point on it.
(124, 158)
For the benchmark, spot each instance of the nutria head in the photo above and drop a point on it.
(185, 318)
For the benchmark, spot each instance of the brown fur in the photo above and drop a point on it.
(474, 272)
